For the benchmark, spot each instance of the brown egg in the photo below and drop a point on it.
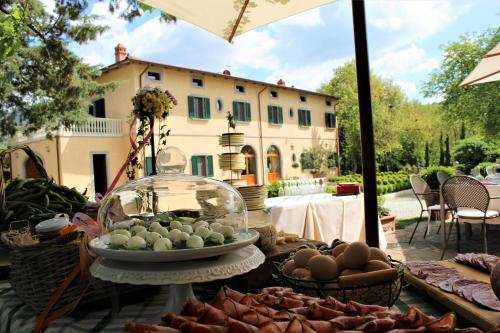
(356, 255)
(301, 273)
(378, 254)
(323, 268)
(340, 262)
(339, 249)
(375, 265)
(302, 256)
(288, 267)
(348, 271)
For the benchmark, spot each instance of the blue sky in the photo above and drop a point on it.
(404, 38)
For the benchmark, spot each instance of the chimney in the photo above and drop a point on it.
(281, 83)
(120, 52)
(226, 72)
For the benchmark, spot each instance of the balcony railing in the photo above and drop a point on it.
(93, 127)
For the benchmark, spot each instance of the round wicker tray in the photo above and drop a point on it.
(383, 293)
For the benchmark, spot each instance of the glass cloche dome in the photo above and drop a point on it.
(172, 200)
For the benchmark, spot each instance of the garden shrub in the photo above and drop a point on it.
(387, 182)
(273, 189)
(471, 152)
(482, 167)
(430, 175)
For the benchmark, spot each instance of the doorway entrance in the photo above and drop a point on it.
(100, 173)
(249, 174)
(273, 164)
(30, 169)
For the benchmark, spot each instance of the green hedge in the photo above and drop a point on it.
(430, 175)
(387, 182)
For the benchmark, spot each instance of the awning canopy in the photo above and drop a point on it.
(487, 70)
(229, 19)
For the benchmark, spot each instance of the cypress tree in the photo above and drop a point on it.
(447, 155)
(462, 131)
(427, 153)
(441, 151)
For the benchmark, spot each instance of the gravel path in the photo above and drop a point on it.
(402, 204)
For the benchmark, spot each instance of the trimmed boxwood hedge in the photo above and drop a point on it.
(387, 182)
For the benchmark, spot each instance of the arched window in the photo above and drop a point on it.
(250, 172)
(273, 164)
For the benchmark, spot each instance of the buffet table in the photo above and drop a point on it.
(321, 217)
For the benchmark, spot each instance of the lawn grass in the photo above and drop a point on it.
(403, 223)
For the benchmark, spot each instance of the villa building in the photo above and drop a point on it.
(279, 122)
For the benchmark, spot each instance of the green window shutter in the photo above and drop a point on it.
(300, 113)
(270, 114)
(194, 164)
(328, 120)
(236, 114)
(210, 166)
(334, 120)
(308, 114)
(191, 106)
(149, 165)
(248, 112)
(280, 114)
(206, 108)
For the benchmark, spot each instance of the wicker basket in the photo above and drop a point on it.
(383, 293)
(37, 271)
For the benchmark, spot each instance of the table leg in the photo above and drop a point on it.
(177, 295)
(442, 234)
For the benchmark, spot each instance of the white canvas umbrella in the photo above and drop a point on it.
(487, 70)
(230, 18)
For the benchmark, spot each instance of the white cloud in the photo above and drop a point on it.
(310, 18)
(410, 88)
(409, 21)
(409, 60)
(309, 76)
(255, 49)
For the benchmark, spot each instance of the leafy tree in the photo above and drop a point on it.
(319, 159)
(42, 83)
(476, 104)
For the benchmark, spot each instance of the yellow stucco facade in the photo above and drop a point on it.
(68, 158)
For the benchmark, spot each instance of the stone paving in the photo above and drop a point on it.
(430, 247)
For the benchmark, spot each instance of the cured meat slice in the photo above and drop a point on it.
(486, 298)
(350, 322)
(363, 309)
(414, 319)
(437, 278)
(324, 313)
(458, 285)
(378, 325)
(444, 325)
(447, 285)
(467, 291)
(420, 329)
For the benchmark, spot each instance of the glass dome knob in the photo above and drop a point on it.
(170, 160)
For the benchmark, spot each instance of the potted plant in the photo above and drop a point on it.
(387, 220)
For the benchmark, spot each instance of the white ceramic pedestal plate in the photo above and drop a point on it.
(179, 275)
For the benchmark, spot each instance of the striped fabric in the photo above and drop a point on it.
(15, 317)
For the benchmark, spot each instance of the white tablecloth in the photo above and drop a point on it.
(320, 217)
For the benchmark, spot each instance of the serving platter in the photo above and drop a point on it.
(100, 246)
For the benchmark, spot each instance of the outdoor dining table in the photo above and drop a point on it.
(320, 217)
(494, 191)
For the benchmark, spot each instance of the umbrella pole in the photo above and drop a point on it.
(366, 123)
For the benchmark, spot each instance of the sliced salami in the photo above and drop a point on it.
(486, 298)
(447, 285)
(436, 279)
(458, 285)
(467, 291)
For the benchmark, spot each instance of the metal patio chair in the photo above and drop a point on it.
(422, 191)
(442, 177)
(468, 199)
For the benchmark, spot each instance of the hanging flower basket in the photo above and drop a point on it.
(153, 102)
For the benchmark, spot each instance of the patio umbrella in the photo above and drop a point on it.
(487, 70)
(230, 18)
